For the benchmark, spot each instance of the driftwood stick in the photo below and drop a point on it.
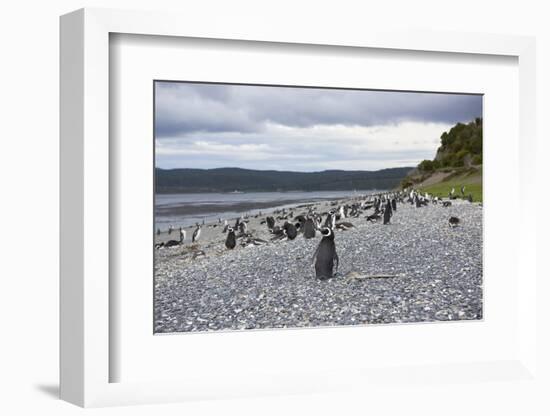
(358, 276)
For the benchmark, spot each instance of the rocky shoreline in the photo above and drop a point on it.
(415, 269)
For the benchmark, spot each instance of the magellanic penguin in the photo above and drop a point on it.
(291, 230)
(182, 234)
(374, 217)
(325, 257)
(344, 225)
(387, 213)
(172, 243)
(309, 228)
(196, 233)
(394, 204)
(330, 222)
(242, 227)
(270, 222)
(279, 235)
(169, 243)
(230, 241)
(453, 222)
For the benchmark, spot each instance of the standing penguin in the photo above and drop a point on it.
(242, 227)
(230, 241)
(196, 233)
(330, 222)
(182, 235)
(291, 230)
(325, 257)
(270, 222)
(387, 213)
(394, 204)
(309, 228)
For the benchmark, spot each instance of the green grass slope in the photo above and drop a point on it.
(471, 178)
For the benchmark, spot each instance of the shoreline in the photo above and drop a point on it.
(436, 275)
(241, 207)
(237, 209)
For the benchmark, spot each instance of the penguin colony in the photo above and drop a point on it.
(289, 224)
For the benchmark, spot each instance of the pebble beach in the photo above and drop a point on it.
(415, 269)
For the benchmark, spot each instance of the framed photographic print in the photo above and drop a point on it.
(268, 214)
(269, 201)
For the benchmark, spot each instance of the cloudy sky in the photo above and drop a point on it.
(300, 129)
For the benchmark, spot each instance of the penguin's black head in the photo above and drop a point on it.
(327, 232)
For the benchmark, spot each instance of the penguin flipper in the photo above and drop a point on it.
(315, 255)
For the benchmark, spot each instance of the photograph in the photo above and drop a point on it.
(280, 206)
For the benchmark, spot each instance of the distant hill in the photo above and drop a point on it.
(460, 146)
(246, 180)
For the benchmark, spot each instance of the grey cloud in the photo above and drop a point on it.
(183, 108)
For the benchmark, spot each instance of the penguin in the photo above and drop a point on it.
(254, 242)
(318, 220)
(342, 212)
(182, 235)
(344, 226)
(330, 222)
(196, 233)
(462, 189)
(374, 217)
(470, 198)
(280, 235)
(199, 254)
(230, 241)
(453, 222)
(170, 228)
(387, 213)
(302, 221)
(171, 243)
(325, 257)
(158, 231)
(394, 204)
(309, 228)
(446, 204)
(270, 222)
(291, 230)
(242, 227)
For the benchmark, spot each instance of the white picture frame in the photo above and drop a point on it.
(85, 354)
